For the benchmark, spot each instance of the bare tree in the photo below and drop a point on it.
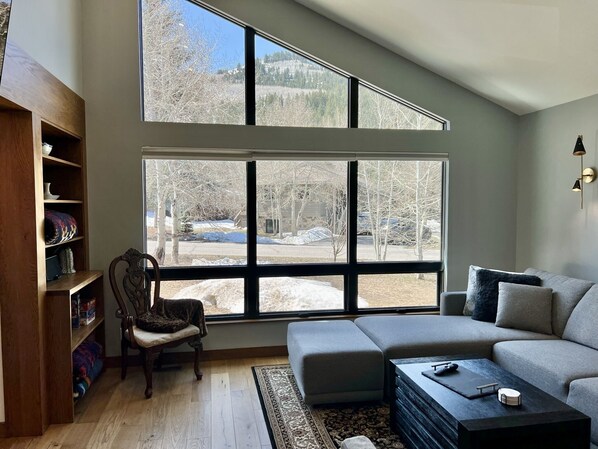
(380, 112)
(179, 83)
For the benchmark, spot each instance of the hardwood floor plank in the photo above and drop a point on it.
(246, 432)
(222, 411)
(198, 443)
(127, 437)
(113, 416)
(17, 443)
(223, 429)
(200, 420)
(149, 444)
(78, 435)
(261, 428)
(177, 422)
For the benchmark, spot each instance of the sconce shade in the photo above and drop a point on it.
(579, 149)
(576, 186)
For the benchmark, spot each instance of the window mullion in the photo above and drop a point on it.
(249, 76)
(251, 281)
(351, 277)
(353, 102)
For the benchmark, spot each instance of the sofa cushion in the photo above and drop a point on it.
(333, 361)
(550, 365)
(432, 335)
(486, 295)
(583, 395)
(452, 303)
(566, 293)
(524, 307)
(581, 327)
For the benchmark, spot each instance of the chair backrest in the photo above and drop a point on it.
(136, 284)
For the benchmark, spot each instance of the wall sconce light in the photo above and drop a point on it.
(587, 175)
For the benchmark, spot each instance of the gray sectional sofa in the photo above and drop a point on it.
(564, 364)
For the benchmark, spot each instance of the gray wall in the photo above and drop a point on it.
(50, 31)
(481, 143)
(553, 233)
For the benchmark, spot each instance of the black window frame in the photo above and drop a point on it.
(250, 100)
(351, 269)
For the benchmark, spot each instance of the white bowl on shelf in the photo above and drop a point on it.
(46, 148)
(49, 196)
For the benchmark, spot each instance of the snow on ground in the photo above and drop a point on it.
(302, 237)
(219, 262)
(305, 237)
(201, 226)
(232, 237)
(276, 294)
(198, 226)
(218, 231)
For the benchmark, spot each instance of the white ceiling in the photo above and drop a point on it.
(525, 55)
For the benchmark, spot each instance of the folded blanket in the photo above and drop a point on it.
(59, 227)
(82, 384)
(172, 315)
(84, 357)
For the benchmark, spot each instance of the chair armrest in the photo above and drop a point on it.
(452, 303)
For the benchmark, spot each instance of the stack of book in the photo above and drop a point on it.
(87, 311)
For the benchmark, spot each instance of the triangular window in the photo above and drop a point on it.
(202, 67)
(381, 111)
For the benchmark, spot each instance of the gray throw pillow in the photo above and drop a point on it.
(524, 307)
(486, 301)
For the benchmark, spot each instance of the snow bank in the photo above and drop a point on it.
(306, 237)
(276, 294)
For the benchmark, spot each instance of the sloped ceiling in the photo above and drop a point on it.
(525, 55)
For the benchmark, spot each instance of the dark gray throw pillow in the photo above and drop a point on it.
(486, 295)
(524, 307)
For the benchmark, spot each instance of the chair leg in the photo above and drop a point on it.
(124, 358)
(197, 345)
(148, 368)
(198, 373)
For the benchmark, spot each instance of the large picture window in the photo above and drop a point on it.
(274, 237)
(287, 237)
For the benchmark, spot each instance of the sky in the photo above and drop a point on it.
(227, 37)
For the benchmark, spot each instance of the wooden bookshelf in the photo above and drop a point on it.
(37, 336)
(89, 284)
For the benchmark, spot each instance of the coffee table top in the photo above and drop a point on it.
(485, 412)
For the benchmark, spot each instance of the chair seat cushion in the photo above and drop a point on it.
(147, 339)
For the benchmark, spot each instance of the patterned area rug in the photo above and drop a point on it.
(294, 425)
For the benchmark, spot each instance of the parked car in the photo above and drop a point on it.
(364, 226)
(402, 232)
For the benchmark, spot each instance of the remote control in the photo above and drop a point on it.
(452, 367)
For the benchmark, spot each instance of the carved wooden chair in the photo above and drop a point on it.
(134, 285)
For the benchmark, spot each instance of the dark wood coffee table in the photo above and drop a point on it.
(428, 415)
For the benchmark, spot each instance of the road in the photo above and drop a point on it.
(315, 251)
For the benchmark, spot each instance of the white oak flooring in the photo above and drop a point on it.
(222, 411)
